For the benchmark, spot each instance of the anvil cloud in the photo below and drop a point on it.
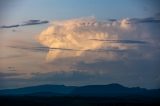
(87, 34)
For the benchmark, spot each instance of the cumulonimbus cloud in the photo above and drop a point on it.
(82, 34)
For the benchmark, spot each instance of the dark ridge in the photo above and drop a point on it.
(90, 95)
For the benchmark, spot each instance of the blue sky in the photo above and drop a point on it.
(20, 10)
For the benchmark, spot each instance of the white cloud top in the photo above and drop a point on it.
(79, 34)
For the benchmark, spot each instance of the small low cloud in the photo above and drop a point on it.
(26, 23)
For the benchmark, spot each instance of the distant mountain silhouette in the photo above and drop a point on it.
(111, 90)
(107, 90)
(41, 89)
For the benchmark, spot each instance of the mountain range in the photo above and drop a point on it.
(110, 90)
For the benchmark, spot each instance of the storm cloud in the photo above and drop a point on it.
(90, 34)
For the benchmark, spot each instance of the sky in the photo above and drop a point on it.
(79, 42)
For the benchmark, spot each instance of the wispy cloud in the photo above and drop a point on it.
(11, 56)
(154, 19)
(46, 49)
(42, 49)
(144, 20)
(34, 22)
(26, 23)
(122, 41)
(9, 74)
(61, 76)
(9, 26)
